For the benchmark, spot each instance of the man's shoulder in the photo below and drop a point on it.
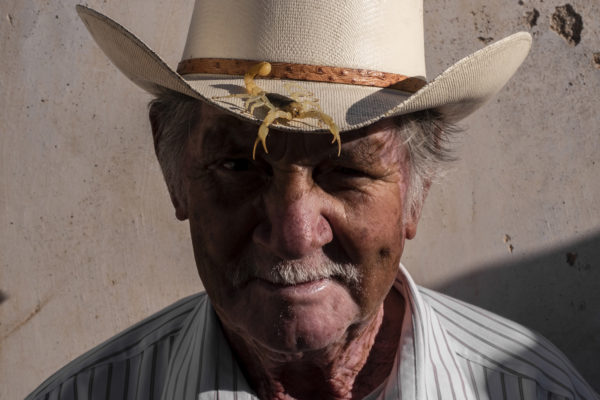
(151, 339)
(503, 349)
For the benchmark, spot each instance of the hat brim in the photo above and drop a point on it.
(456, 93)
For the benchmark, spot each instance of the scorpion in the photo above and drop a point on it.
(299, 105)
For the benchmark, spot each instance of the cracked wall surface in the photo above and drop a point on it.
(88, 239)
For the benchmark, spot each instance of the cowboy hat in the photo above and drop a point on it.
(360, 61)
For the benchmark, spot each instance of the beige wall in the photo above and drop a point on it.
(88, 239)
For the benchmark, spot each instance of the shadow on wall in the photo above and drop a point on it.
(556, 293)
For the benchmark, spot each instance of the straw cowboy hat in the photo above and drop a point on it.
(359, 60)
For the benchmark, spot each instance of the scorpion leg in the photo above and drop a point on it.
(261, 101)
(296, 91)
(329, 121)
(238, 95)
(314, 104)
(252, 103)
(263, 130)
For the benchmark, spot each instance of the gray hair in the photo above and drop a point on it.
(428, 137)
(175, 115)
(426, 134)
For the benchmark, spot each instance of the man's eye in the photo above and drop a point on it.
(343, 172)
(236, 165)
(349, 172)
(341, 178)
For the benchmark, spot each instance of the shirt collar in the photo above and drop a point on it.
(426, 364)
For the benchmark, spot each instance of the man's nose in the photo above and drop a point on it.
(295, 224)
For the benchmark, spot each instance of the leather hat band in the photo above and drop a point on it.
(304, 72)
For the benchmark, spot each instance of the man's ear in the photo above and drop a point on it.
(176, 189)
(179, 202)
(414, 214)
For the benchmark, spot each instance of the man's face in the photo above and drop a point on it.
(298, 248)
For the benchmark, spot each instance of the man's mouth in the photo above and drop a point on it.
(296, 273)
(300, 288)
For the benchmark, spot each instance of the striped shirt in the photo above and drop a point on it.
(448, 350)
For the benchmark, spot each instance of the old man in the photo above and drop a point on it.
(299, 139)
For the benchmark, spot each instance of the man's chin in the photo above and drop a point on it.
(296, 318)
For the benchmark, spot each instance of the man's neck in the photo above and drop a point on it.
(383, 353)
(348, 370)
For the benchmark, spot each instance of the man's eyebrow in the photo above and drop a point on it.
(367, 150)
(228, 134)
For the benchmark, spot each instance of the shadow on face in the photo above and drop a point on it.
(298, 245)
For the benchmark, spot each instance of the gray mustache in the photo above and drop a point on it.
(294, 272)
